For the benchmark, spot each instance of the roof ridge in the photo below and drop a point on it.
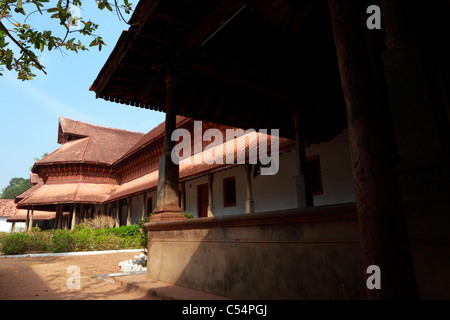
(99, 126)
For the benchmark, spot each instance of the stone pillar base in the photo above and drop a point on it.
(168, 213)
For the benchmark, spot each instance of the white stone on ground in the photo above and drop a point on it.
(133, 265)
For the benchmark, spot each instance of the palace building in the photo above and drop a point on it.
(113, 172)
(364, 147)
(314, 70)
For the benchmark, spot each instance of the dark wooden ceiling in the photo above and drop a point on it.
(240, 63)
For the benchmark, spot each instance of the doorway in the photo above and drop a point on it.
(202, 196)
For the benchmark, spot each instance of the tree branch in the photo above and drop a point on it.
(2, 27)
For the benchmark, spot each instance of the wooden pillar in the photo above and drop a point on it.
(59, 214)
(55, 222)
(118, 210)
(384, 239)
(69, 218)
(167, 207)
(304, 194)
(74, 216)
(144, 206)
(82, 212)
(27, 221)
(13, 226)
(210, 195)
(31, 218)
(249, 203)
(65, 220)
(129, 200)
(412, 79)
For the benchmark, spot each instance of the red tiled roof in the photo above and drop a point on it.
(136, 186)
(69, 193)
(7, 207)
(189, 168)
(21, 215)
(35, 179)
(84, 142)
(29, 191)
(90, 143)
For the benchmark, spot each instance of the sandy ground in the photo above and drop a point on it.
(50, 278)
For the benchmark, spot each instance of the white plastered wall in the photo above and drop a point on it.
(273, 192)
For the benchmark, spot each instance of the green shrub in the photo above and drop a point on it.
(126, 231)
(3, 235)
(63, 241)
(189, 215)
(39, 242)
(21, 243)
(15, 243)
(82, 238)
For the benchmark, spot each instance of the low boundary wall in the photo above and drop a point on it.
(310, 253)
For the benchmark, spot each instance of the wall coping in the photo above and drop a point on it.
(345, 211)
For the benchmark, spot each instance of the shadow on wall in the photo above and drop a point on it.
(310, 254)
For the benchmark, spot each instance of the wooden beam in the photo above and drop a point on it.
(212, 22)
(153, 38)
(207, 71)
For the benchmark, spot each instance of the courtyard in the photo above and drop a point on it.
(46, 278)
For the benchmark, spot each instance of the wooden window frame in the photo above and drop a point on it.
(225, 180)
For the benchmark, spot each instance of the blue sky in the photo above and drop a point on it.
(30, 110)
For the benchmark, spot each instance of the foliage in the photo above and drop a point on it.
(126, 231)
(16, 187)
(15, 27)
(3, 235)
(79, 239)
(99, 222)
(189, 215)
(37, 159)
(21, 242)
(87, 236)
(63, 241)
(143, 234)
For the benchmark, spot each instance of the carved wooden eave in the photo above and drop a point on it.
(78, 172)
(243, 64)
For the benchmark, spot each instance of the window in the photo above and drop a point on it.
(229, 192)
(315, 175)
(149, 205)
